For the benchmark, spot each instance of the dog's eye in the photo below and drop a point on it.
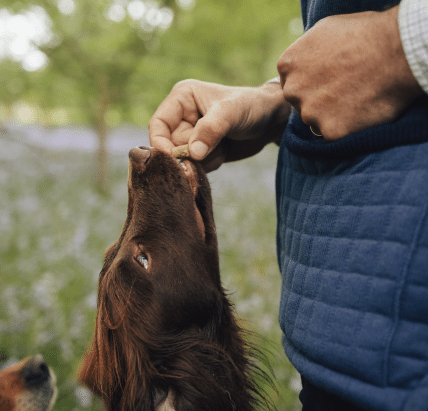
(143, 260)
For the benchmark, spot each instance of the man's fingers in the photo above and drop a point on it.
(182, 133)
(163, 144)
(174, 116)
(209, 131)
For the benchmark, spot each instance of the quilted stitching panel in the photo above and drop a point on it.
(418, 270)
(356, 278)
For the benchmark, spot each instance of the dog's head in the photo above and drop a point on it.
(28, 385)
(165, 262)
(165, 337)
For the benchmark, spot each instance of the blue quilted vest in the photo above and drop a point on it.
(352, 241)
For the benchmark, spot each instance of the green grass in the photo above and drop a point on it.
(54, 228)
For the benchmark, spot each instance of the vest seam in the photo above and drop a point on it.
(400, 290)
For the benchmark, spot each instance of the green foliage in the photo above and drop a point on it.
(55, 227)
(104, 70)
(97, 65)
(51, 248)
(236, 43)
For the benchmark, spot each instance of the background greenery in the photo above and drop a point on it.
(59, 210)
(55, 225)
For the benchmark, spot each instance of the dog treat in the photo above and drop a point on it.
(181, 151)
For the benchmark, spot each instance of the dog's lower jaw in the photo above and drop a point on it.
(189, 171)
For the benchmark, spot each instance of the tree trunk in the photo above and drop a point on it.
(102, 160)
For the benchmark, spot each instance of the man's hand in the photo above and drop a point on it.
(348, 73)
(219, 123)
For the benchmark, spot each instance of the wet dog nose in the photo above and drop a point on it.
(36, 371)
(139, 154)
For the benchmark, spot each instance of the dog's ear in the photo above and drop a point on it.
(118, 379)
(87, 370)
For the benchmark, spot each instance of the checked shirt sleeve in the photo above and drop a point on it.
(413, 23)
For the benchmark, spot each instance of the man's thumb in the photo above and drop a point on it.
(209, 131)
(198, 150)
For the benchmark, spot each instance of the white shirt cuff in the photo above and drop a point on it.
(413, 25)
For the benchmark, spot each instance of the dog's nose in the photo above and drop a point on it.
(36, 371)
(139, 154)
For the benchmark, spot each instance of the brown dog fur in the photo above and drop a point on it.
(165, 336)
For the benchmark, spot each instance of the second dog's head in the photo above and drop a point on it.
(28, 385)
(165, 336)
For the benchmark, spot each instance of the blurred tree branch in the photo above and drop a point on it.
(107, 68)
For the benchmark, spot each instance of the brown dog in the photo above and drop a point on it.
(165, 334)
(28, 385)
